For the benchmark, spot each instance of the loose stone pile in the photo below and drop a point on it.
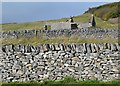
(85, 33)
(55, 61)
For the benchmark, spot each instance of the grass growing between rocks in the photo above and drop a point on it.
(67, 81)
(0, 83)
(39, 40)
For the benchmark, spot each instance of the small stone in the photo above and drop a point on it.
(52, 62)
(66, 65)
(88, 48)
(57, 47)
(62, 47)
(86, 65)
(19, 72)
(10, 78)
(75, 59)
(71, 70)
(86, 72)
(29, 66)
(104, 72)
(115, 70)
(92, 48)
(76, 65)
(46, 47)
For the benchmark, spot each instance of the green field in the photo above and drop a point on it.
(39, 40)
(23, 26)
(67, 81)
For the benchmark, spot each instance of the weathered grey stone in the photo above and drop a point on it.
(84, 48)
(75, 59)
(86, 65)
(71, 70)
(10, 78)
(77, 48)
(100, 59)
(97, 48)
(113, 47)
(62, 47)
(62, 53)
(69, 47)
(115, 70)
(46, 47)
(88, 48)
(93, 48)
(57, 47)
(19, 72)
(66, 65)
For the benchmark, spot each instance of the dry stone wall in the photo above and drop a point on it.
(86, 33)
(55, 61)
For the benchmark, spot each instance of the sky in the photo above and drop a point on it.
(36, 11)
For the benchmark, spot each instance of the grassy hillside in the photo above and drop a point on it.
(106, 11)
(23, 26)
(84, 18)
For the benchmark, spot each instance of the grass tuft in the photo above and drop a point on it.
(35, 40)
(67, 81)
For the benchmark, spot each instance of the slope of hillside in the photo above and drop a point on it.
(84, 18)
(23, 26)
(106, 11)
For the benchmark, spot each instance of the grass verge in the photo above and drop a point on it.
(67, 81)
(39, 40)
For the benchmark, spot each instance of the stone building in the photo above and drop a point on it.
(62, 25)
(69, 24)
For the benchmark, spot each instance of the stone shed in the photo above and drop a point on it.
(69, 24)
(62, 25)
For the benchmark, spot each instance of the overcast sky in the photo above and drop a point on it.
(36, 11)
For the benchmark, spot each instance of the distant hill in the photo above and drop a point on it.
(106, 12)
